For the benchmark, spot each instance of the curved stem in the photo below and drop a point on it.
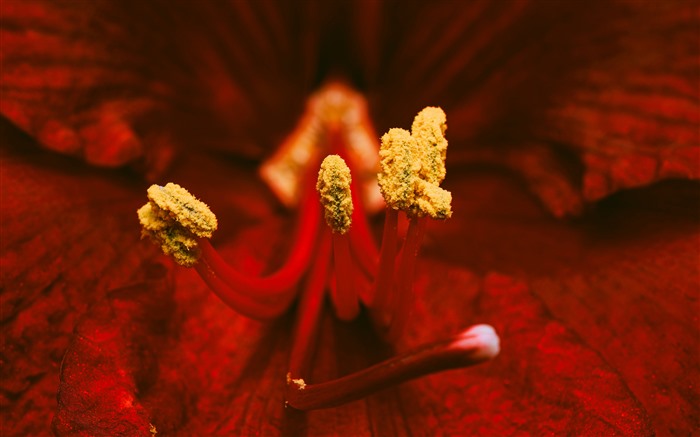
(407, 265)
(383, 286)
(239, 302)
(284, 279)
(478, 344)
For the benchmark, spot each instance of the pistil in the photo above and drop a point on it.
(475, 345)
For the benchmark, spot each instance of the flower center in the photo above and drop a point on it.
(341, 260)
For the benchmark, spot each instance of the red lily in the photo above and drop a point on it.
(598, 315)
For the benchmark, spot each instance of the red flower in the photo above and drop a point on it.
(593, 111)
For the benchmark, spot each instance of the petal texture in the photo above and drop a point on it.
(68, 236)
(131, 82)
(623, 281)
(581, 101)
(111, 367)
(584, 328)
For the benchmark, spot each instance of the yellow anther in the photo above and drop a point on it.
(433, 200)
(175, 220)
(333, 186)
(399, 166)
(428, 129)
(413, 166)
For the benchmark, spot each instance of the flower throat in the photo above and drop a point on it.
(339, 260)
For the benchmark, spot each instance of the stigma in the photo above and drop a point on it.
(336, 265)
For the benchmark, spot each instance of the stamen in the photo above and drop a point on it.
(399, 167)
(181, 225)
(412, 166)
(475, 345)
(362, 244)
(176, 220)
(334, 188)
(428, 130)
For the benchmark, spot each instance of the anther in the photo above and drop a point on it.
(333, 186)
(176, 220)
(428, 129)
(412, 167)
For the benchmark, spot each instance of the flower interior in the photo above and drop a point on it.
(339, 260)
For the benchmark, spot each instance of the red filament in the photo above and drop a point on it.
(240, 302)
(344, 295)
(383, 290)
(282, 282)
(407, 265)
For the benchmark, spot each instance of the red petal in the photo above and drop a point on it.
(614, 85)
(231, 370)
(68, 235)
(558, 363)
(560, 371)
(75, 227)
(545, 380)
(119, 83)
(72, 79)
(618, 292)
(111, 366)
(80, 226)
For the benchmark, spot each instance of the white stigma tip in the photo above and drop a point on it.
(482, 340)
